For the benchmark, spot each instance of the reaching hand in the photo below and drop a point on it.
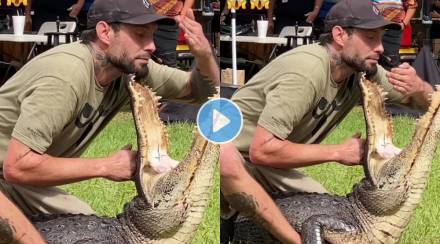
(199, 45)
(74, 10)
(121, 165)
(352, 150)
(311, 16)
(405, 80)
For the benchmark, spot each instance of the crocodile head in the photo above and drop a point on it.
(171, 204)
(387, 166)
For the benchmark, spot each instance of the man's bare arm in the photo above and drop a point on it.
(25, 166)
(14, 226)
(246, 196)
(266, 149)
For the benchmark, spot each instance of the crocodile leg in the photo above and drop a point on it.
(315, 228)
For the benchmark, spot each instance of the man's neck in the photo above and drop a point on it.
(339, 70)
(105, 72)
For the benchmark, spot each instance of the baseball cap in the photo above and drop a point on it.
(137, 12)
(362, 14)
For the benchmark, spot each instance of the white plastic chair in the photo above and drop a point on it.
(49, 28)
(303, 37)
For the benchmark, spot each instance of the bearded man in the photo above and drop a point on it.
(54, 106)
(295, 101)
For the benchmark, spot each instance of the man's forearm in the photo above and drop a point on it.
(408, 16)
(422, 98)
(45, 170)
(25, 166)
(245, 195)
(285, 154)
(208, 67)
(268, 150)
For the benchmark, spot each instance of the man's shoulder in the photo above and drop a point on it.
(313, 53)
(70, 58)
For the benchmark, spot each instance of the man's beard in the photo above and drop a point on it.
(128, 67)
(359, 65)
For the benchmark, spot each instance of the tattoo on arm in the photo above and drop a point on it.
(6, 232)
(247, 205)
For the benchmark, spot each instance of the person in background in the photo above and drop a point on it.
(400, 12)
(165, 37)
(292, 12)
(49, 10)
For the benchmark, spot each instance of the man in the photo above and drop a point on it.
(294, 102)
(14, 226)
(292, 12)
(57, 103)
(400, 12)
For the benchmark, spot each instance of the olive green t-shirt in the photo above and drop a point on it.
(295, 98)
(54, 105)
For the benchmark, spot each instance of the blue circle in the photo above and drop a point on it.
(219, 120)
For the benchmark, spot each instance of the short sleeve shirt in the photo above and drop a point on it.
(54, 105)
(295, 98)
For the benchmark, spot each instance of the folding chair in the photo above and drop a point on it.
(296, 36)
(57, 32)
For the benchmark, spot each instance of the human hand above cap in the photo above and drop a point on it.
(197, 42)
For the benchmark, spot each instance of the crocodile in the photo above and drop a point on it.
(168, 207)
(380, 206)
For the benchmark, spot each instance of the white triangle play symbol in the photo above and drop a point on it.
(219, 121)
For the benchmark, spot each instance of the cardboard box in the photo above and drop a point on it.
(226, 76)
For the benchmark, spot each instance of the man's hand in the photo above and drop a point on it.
(405, 80)
(311, 16)
(121, 165)
(352, 150)
(199, 45)
(75, 9)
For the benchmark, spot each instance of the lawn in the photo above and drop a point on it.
(424, 226)
(108, 198)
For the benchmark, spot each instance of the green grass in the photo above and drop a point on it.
(424, 226)
(108, 198)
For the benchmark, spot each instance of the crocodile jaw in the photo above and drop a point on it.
(379, 130)
(172, 203)
(387, 166)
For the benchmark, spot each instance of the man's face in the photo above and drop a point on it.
(131, 48)
(363, 49)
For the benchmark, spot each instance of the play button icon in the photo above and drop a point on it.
(219, 120)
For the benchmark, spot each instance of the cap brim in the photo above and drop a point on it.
(378, 24)
(148, 18)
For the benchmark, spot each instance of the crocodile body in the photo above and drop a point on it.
(169, 206)
(381, 205)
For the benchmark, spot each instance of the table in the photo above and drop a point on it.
(17, 49)
(23, 38)
(256, 39)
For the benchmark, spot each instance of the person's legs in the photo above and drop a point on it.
(46, 200)
(391, 44)
(165, 39)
